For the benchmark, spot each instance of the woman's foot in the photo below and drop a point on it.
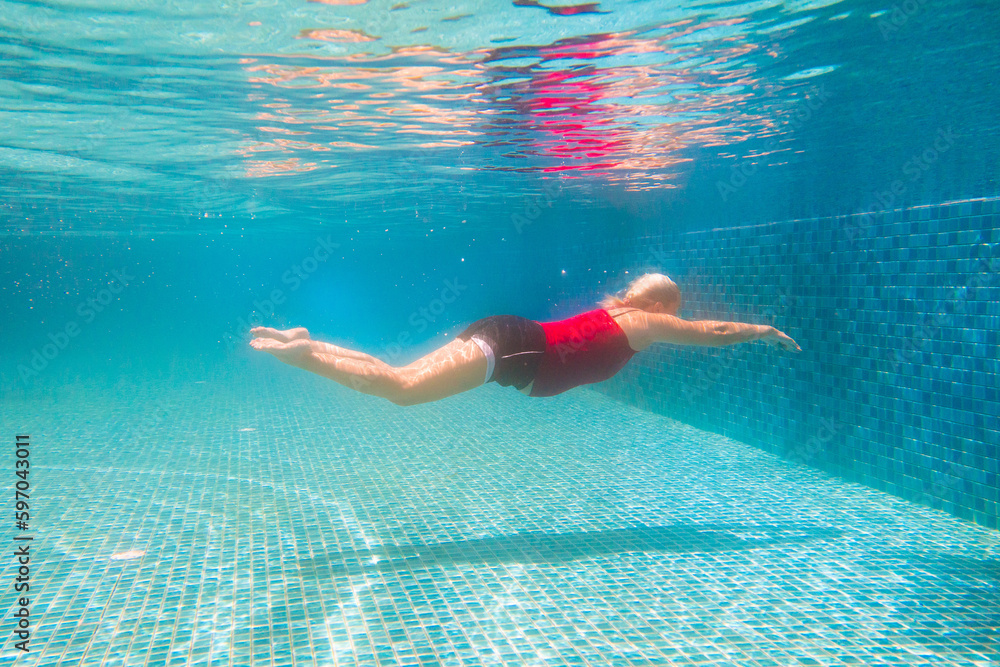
(288, 335)
(288, 352)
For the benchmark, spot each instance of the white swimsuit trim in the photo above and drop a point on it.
(490, 358)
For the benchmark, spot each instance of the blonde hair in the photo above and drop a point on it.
(645, 291)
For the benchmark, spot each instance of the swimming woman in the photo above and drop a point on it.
(537, 358)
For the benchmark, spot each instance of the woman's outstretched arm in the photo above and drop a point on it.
(663, 328)
(318, 347)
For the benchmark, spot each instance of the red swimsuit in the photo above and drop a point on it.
(590, 347)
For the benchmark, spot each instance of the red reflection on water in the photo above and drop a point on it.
(625, 105)
(638, 118)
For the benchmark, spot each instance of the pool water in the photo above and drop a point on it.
(263, 517)
(385, 173)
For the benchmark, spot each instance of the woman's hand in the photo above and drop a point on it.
(778, 339)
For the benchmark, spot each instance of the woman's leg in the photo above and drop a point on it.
(456, 367)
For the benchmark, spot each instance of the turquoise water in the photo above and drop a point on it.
(384, 173)
(284, 521)
(263, 116)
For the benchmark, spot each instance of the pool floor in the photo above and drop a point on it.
(252, 514)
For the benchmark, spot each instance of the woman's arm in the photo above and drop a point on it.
(662, 328)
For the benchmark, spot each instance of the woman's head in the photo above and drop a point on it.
(653, 292)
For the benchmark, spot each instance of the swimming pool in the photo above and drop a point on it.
(386, 173)
(253, 527)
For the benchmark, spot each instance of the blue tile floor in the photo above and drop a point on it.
(267, 517)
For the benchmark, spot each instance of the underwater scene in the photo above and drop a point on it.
(510, 332)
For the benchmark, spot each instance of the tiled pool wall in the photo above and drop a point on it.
(897, 314)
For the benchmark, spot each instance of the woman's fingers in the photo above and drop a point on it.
(790, 344)
(780, 339)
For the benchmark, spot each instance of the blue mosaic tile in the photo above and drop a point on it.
(266, 517)
(897, 314)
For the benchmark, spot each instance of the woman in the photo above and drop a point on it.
(539, 359)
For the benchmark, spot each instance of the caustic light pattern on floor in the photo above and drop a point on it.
(276, 519)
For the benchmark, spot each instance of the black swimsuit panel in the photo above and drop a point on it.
(517, 343)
